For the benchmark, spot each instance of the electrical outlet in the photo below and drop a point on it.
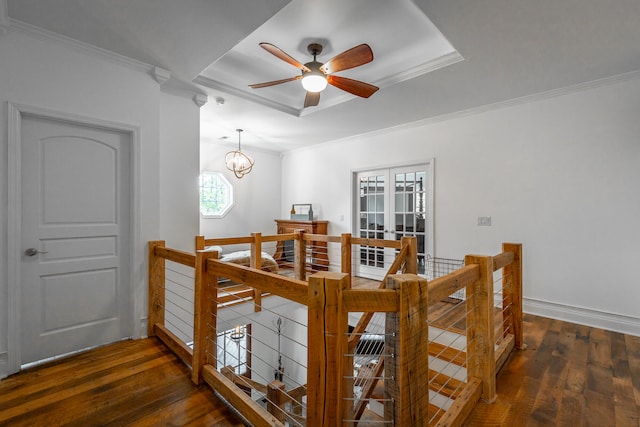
(484, 220)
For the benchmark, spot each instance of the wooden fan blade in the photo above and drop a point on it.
(273, 83)
(312, 99)
(351, 58)
(355, 87)
(276, 51)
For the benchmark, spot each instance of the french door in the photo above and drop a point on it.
(393, 203)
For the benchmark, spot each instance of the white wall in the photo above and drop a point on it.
(38, 72)
(558, 174)
(256, 195)
(179, 160)
(264, 338)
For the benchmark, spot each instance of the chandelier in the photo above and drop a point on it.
(238, 162)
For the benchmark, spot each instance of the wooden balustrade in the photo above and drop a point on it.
(406, 298)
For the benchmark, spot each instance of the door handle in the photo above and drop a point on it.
(34, 252)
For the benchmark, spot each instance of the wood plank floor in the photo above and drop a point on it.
(132, 383)
(569, 375)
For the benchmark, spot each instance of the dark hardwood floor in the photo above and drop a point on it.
(130, 383)
(569, 375)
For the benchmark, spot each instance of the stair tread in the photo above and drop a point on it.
(448, 354)
(370, 418)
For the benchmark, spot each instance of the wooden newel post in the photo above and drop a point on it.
(406, 350)
(300, 256)
(514, 272)
(275, 400)
(411, 262)
(203, 285)
(211, 356)
(481, 361)
(345, 252)
(255, 261)
(156, 288)
(328, 340)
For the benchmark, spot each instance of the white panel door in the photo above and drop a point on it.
(74, 276)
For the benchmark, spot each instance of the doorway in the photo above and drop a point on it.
(393, 203)
(71, 245)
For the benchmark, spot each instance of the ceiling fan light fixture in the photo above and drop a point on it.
(314, 81)
(316, 76)
(238, 162)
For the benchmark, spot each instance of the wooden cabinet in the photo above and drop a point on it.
(317, 257)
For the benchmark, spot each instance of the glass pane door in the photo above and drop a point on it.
(393, 203)
(373, 221)
(410, 211)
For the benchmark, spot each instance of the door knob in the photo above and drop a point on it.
(33, 252)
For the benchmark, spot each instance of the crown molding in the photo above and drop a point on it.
(554, 93)
(420, 69)
(4, 17)
(214, 84)
(46, 35)
(177, 87)
(200, 99)
(160, 75)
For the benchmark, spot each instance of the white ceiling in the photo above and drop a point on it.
(409, 48)
(508, 49)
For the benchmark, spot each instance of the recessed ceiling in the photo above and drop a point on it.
(405, 43)
(512, 50)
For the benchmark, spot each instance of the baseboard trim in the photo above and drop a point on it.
(4, 359)
(583, 316)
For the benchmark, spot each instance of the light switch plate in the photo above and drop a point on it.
(484, 220)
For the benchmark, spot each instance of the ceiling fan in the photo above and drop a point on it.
(315, 75)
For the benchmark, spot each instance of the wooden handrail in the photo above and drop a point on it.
(370, 300)
(243, 381)
(252, 411)
(175, 255)
(395, 244)
(442, 287)
(502, 260)
(291, 289)
(321, 238)
(221, 241)
(279, 237)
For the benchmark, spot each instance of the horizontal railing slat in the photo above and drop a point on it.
(252, 411)
(279, 237)
(221, 241)
(175, 255)
(370, 300)
(502, 260)
(174, 343)
(292, 289)
(321, 238)
(396, 244)
(444, 286)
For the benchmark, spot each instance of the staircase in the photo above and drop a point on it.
(447, 374)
